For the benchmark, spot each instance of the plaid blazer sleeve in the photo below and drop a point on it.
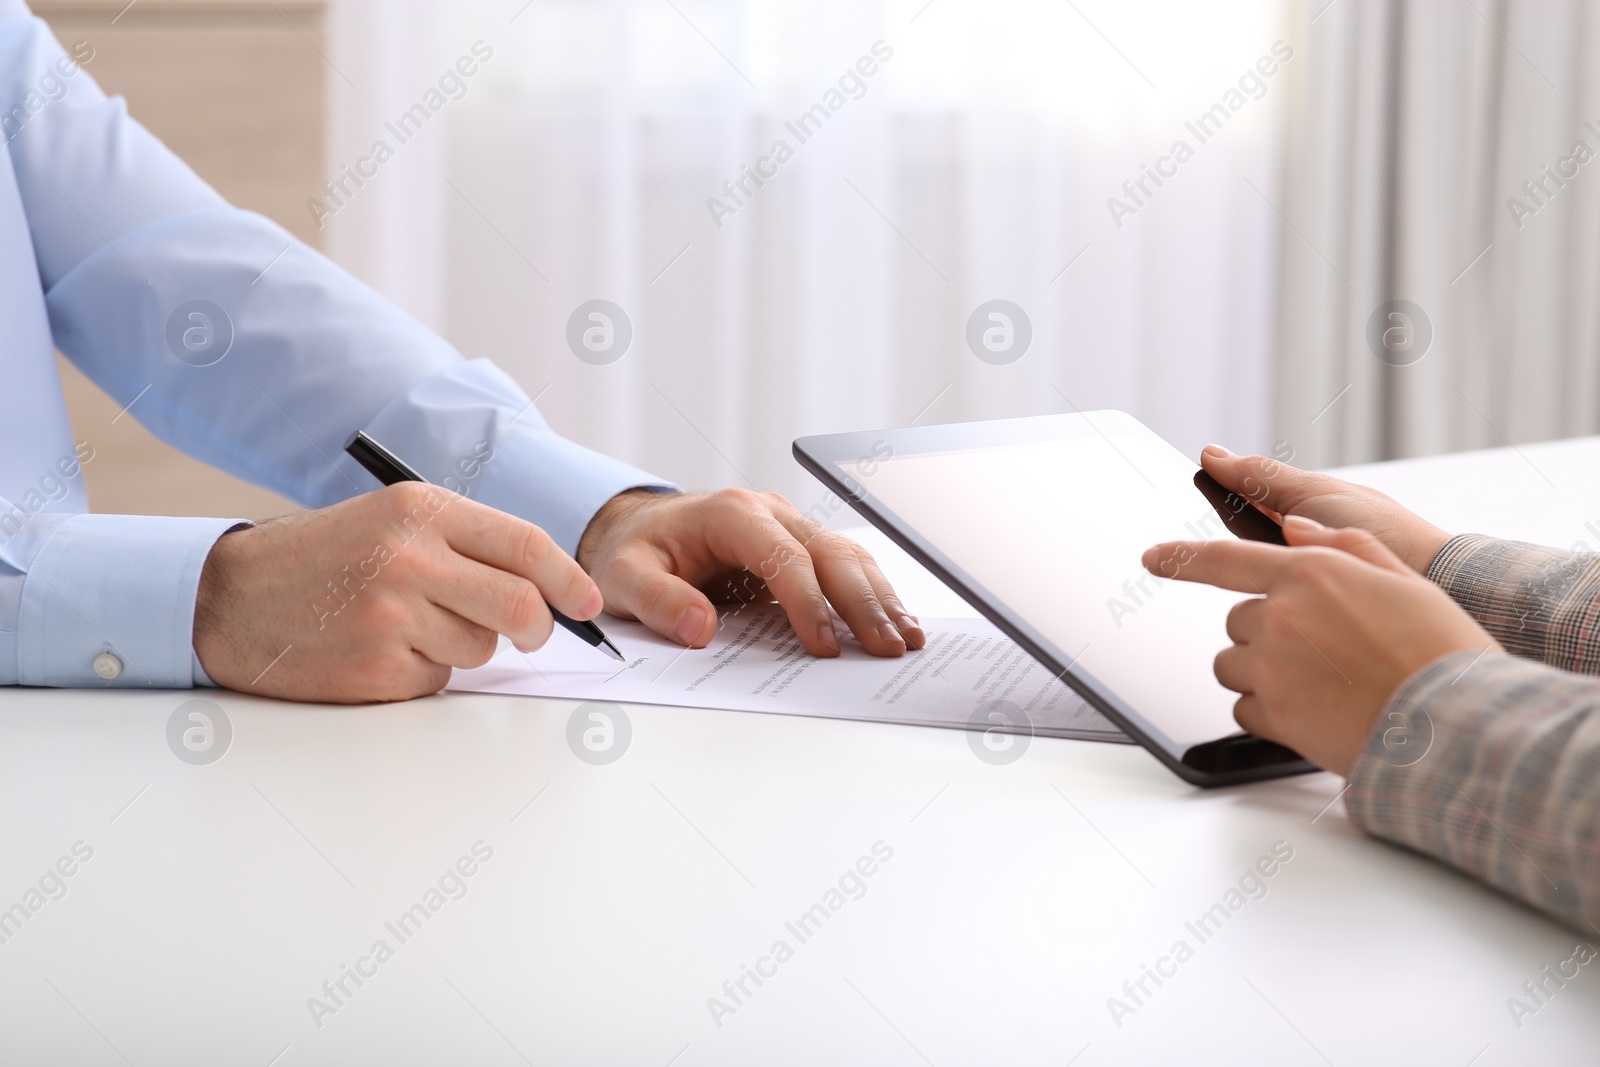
(1490, 762)
(1540, 603)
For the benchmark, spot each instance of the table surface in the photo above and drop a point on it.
(1015, 901)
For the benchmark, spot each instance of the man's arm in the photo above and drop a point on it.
(289, 354)
(1498, 775)
(241, 346)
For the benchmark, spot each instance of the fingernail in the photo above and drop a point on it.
(1218, 451)
(592, 606)
(909, 622)
(888, 632)
(690, 623)
(1303, 522)
(829, 639)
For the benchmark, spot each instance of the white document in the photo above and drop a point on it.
(756, 663)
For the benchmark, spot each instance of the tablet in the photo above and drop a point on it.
(1039, 523)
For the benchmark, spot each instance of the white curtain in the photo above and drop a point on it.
(973, 164)
(1413, 130)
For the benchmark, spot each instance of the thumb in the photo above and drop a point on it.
(1299, 530)
(640, 585)
(1265, 482)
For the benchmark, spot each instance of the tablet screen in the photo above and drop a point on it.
(1054, 529)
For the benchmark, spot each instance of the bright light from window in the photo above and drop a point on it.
(1101, 65)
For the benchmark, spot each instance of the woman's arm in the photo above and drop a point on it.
(1540, 603)
(1498, 775)
(1485, 761)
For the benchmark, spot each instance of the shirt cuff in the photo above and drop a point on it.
(201, 678)
(109, 600)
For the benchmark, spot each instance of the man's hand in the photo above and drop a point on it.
(662, 558)
(1340, 624)
(376, 598)
(1282, 490)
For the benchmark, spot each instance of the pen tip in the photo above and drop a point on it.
(611, 650)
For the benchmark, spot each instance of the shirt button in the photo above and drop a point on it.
(107, 666)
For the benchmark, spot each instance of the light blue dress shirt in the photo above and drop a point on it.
(230, 340)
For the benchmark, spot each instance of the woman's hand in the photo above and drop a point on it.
(1282, 490)
(1340, 623)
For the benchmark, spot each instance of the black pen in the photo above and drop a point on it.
(388, 468)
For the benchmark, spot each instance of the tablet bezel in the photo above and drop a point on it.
(1228, 760)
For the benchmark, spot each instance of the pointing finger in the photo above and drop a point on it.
(1242, 566)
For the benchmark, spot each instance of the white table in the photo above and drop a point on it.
(1018, 899)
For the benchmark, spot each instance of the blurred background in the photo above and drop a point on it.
(1337, 231)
